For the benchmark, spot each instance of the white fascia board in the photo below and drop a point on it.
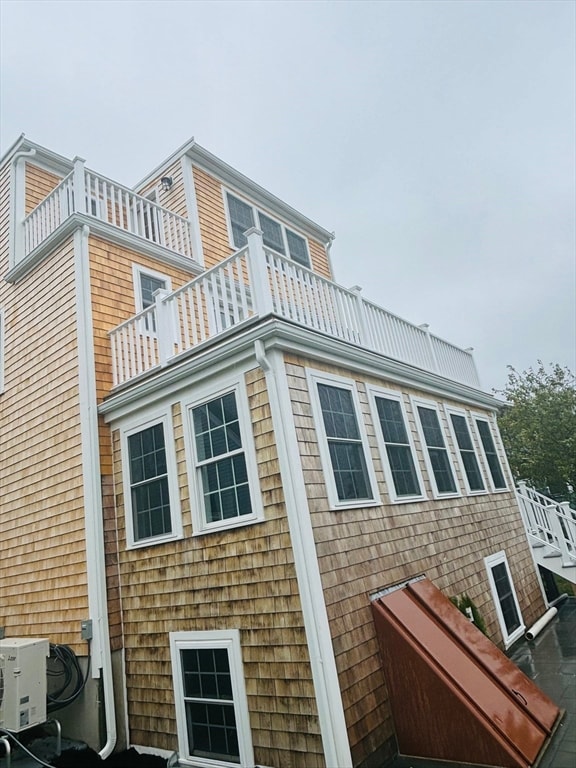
(237, 348)
(44, 157)
(170, 160)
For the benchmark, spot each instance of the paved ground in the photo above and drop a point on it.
(549, 660)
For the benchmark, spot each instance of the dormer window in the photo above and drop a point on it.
(276, 236)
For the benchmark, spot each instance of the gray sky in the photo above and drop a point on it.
(436, 138)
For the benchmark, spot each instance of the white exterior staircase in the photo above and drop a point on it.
(551, 530)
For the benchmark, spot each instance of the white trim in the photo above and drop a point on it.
(433, 406)
(2, 347)
(92, 486)
(391, 394)
(333, 727)
(230, 640)
(450, 411)
(144, 421)
(192, 208)
(213, 389)
(490, 562)
(315, 377)
(498, 447)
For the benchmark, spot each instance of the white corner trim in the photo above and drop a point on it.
(324, 672)
(192, 208)
(94, 525)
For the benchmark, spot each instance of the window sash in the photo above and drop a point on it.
(437, 451)
(467, 452)
(149, 489)
(491, 454)
(398, 448)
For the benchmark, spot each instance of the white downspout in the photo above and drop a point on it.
(324, 673)
(94, 525)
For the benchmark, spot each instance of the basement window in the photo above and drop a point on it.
(505, 598)
(211, 705)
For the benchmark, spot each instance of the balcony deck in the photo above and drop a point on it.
(256, 282)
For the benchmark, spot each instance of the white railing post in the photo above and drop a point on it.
(258, 272)
(164, 330)
(79, 177)
(560, 533)
(363, 330)
(426, 328)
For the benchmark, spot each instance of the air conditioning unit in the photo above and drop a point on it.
(23, 682)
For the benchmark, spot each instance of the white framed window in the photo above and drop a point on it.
(467, 455)
(151, 494)
(505, 598)
(496, 473)
(2, 348)
(210, 697)
(343, 443)
(146, 283)
(396, 446)
(242, 216)
(437, 455)
(223, 468)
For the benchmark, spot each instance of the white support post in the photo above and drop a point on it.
(363, 330)
(562, 509)
(258, 272)
(164, 328)
(426, 328)
(80, 191)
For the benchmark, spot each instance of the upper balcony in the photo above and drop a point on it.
(84, 192)
(256, 282)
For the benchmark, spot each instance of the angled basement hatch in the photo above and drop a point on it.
(454, 695)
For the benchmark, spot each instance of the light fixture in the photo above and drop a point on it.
(166, 183)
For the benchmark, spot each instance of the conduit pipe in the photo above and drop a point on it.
(538, 626)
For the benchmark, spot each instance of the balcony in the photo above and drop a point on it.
(255, 282)
(84, 192)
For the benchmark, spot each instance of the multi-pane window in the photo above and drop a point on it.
(491, 455)
(148, 287)
(398, 448)
(436, 448)
(221, 460)
(149, 491)
(209, 705)
(467, 452)
(507, 607)
(210, 696)
(146, 283)
(275, 235)
(344, 443)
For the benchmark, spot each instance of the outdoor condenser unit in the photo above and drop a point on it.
(23, 682)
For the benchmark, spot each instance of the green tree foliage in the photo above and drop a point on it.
(539, 426)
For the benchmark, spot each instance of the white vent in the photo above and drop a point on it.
(23, 682)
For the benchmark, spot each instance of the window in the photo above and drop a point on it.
(350, 478)
(146, 283)
(491, 455)
(223, 466)
(468, 459)
(276, 236)
(400, 467)
(439, 463)
(210, 696)
(151, 492)
(505, 599)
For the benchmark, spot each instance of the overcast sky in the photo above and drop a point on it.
(436, 138)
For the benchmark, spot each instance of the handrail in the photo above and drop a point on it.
(549, 522)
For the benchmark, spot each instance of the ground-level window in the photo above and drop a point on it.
(489, 447)
(225, 473)
(468, 458)
(149, 475)
(343, 443)
(210, 697)
(505, 599)
(400, 465)
(439, 463)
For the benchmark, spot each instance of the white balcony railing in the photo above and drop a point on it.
(549, 522)
(257, 282)
(88, 193)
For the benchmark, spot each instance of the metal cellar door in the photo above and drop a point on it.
(454, 694)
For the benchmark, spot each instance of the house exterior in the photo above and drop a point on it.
(219, 456)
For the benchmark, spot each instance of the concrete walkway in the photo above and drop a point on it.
(549, 660)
